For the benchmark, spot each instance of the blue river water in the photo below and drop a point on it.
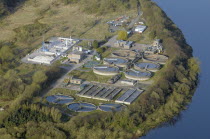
(193, 18)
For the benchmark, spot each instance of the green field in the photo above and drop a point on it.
(90, 76)
(36, 20)
(64, 20)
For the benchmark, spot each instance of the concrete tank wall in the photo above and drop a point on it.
(105, 73)
(137, 78)
(151, 69)
(163, 61)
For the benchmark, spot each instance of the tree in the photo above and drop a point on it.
(6, 54)
(11, 85)
(39, 77)
(155, 95)
(11, 74)
(3, 9)
(101, 49)
(122, 35)
(95, 44)
(152, 35)
(193, 64)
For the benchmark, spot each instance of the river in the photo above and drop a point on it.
(193, 18)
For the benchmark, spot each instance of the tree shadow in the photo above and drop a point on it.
(96, 23)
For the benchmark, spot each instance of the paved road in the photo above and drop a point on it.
(75, 66)
(131, 25)
(72, 67)
(90, 40)
(111, 41)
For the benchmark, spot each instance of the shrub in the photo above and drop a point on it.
(122, 35)
(28, 32)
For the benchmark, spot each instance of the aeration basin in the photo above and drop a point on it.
(138, 75)
(82, 107)
(106, 70)
(60, 99)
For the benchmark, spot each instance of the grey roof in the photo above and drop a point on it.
(126, 95)
(106, 68)
(82, 107)
(138, 73)
(148, 65)
(115, 60)
(129, 42)
(59, 99)
(111, 107)
(133, 96)
(130, 95)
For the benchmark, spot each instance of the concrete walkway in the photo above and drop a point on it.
(111, 41)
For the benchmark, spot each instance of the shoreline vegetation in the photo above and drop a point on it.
(22, 85)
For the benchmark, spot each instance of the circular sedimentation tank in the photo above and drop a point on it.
(124, 54)
(138, 75)
(111, 107)
(147, 66)
(60, 99)
(106, 70)
(82, 107)
(161, 59)
(121, 62)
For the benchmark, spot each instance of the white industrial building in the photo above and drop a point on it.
(140, 28)
(42, 59)
(57, 46)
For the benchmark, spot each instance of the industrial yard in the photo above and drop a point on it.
(119, 78)
(117, 75)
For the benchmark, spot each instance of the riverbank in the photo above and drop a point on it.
(193, 123)
(179, 92)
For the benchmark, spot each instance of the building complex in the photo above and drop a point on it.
(51, 50)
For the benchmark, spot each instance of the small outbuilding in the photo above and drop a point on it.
(128, 82)
(75, 80)
(98, 57)
(76, 56)
(77, 48)
(123, 44)
(114, 79)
